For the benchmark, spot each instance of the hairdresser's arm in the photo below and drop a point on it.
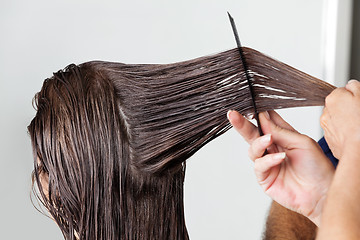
(283, 223)
(341, 124)
(295, 173)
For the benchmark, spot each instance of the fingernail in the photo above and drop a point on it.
(228, 114)
(280, 156)
(249, 116)
(266, 138)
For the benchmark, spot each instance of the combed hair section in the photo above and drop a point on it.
(172, 110)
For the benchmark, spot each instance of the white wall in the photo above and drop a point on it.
(38, 37)
(337, 28)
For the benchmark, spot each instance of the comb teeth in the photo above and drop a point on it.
(243, 61)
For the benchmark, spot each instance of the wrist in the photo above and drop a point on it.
(315, 215)
(351, 151)
(321, 196)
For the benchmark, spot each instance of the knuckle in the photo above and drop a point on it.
(325, 127)
(250, 153)
(258, 170)
(323, 118)
(353, 83)
(329, 99)
(322, 125)
(256, 166)
(357, 85)
(254, 149)
(308, 141)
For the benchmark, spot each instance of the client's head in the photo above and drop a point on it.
(86, 168)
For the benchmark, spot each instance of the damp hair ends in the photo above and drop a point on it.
(112, 138)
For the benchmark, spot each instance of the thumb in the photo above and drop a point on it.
(281, 136)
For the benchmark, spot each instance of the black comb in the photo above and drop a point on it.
(242, 57)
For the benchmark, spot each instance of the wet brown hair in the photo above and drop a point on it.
(113, 138)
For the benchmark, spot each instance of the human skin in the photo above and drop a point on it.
(285, 224)
(295, 172)
(341, 123)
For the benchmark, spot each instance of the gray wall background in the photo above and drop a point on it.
(222, 198)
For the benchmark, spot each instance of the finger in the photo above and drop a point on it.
(278, 120)
(246, 129)
(324, 123)
(281, 136)
(324, 118)
(264, 165)
(258, 147)
(335, 95)
(330, 139)
(272, 149)
(353, 86)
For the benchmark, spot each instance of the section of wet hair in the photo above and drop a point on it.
(112, 138)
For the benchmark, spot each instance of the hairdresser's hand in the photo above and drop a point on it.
(341, 119)
(295, 172)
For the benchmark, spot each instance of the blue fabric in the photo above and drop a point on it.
(325, 147)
